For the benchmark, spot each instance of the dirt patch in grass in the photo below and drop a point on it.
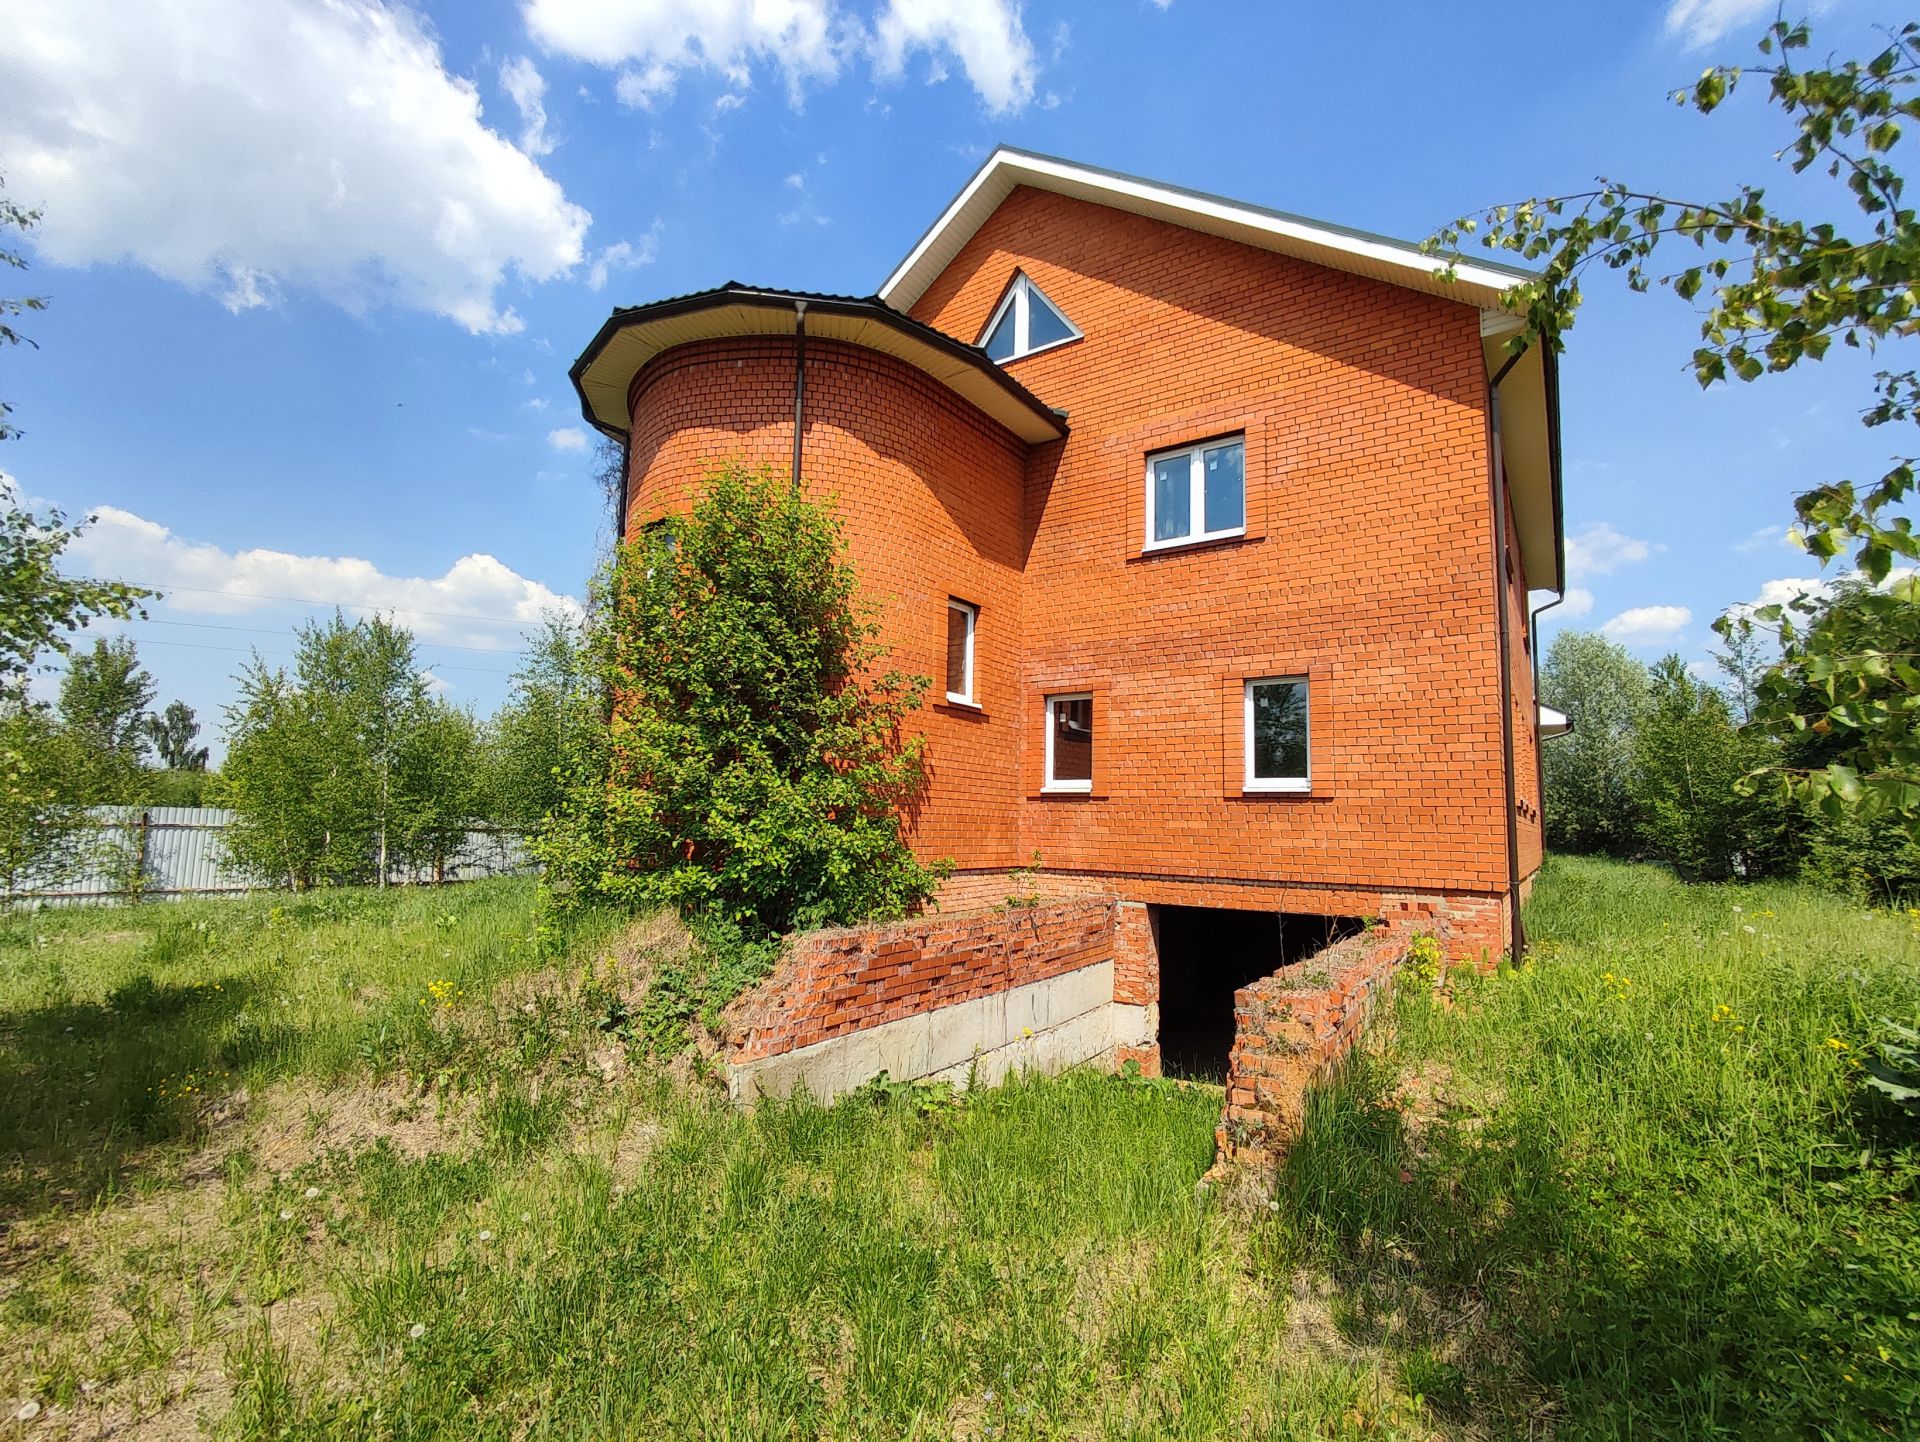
(296, 1122)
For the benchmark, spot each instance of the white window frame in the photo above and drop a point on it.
(1196, 493)
(1281, 784)
(1020, 291)
(972, 613)
(1049, 783)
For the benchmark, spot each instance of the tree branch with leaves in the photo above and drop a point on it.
(1777, 290)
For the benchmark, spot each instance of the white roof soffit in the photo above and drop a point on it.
(1552, 722)
(1394, 261)
(605, 379)
(1526, 446)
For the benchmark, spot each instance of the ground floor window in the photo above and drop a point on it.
(1276, 734)
(1070, 742)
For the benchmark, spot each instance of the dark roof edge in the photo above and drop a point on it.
(867, 307)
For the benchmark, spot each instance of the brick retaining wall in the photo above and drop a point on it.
(1020, 986)
(1291, 1030)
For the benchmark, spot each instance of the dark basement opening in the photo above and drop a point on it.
(1206, 954)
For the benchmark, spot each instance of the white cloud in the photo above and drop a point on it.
(247, 149)
(1701, 22)
(528, 91)
(463, 606)
(1762, 539)
(624, 255)
(1646, 625)
(652, 44)
(1597, 549)
(567, 438)
(986, 36)
(1577, 602)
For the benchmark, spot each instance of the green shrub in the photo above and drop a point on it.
(753, 774)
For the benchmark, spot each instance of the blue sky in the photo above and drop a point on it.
(317, 268)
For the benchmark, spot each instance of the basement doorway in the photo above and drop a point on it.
(1206, 954)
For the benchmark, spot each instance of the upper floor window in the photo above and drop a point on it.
(1197, 493)
(961, 620)
(1025, 322)
(1276, 734)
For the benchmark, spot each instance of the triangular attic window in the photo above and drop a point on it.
(1025, 321)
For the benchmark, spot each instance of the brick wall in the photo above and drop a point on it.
(1291, 1030)
(1367, 566)
(832, 983)
(928, 492)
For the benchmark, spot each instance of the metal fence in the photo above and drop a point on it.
(160, 853)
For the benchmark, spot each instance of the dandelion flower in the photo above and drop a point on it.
(1748, 930)
(28, 1411)
(312, 1192)
(286, 1215)
(526, 1216)
(417, 1330)
(486, 1236)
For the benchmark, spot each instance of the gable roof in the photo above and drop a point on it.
(634, 335)
(1395, 261)
(1529, 407)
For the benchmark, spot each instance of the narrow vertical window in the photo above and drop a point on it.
(961, 621)
(1070, 742)
(1276, 734)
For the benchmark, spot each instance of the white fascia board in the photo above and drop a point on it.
(1005, 169)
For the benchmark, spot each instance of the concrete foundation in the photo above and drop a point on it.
(1045, 1025)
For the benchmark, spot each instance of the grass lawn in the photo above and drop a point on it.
(370, 1166)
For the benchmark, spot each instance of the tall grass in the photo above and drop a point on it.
(1646, 1157)
(1628, 1190)
(116, 1025)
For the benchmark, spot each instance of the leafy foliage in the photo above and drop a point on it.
(40, 607)
(1892, 1067)
(1689, 760)
(348, 765)
(40, 836)
(172, 735)
(754, 772)
(554, 697)
(103, 705)
(1778, 290)
(1589, 772)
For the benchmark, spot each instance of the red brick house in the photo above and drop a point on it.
(1214, 527)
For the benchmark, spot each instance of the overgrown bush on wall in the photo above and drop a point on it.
(753, 773)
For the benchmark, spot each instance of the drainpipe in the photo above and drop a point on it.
(799, 383)
(1497, 491)
(620, 513)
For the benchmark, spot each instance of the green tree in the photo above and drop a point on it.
(438, 787)
(1689, 758)
(281, 780)
(756, 773)
(39, 607)
(554, 694)
(14, 217)
(172, 734)
(315, 762)
(41, 835)
(1589, 772)
(103, 705)
(1778, 289)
